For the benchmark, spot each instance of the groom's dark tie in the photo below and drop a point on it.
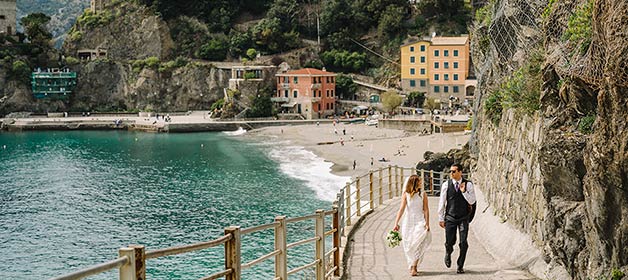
(457, 188)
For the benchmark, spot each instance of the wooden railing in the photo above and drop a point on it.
(351, 202)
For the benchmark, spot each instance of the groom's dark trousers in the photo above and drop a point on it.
(450, 238)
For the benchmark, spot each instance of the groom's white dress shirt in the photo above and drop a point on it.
(468, 194)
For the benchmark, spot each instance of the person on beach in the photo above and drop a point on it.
(354, 164)
(415, 226)
(454, 211)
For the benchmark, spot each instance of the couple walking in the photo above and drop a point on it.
(454, 210)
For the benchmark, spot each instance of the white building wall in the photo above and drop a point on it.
(8, 21)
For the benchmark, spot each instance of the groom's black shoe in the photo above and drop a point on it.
(448, 260)
(460, 270)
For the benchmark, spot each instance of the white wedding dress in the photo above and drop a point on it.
(415, 238)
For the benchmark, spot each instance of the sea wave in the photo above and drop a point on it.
(240, 131)
(299, 163)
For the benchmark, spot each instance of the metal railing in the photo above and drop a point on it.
(360, 196)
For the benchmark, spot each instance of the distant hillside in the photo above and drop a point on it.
(62, 12)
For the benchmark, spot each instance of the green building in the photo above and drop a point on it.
(53, 83)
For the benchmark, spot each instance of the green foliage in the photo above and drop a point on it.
(449, 17)
(189, 35)
(218, 104)
(35, 28)
(75, 36)
(520, 91)
(391, 22)
(261, 105)
(484, 15)
(177, 63)
(239, 42)
(152, 62)
(71, 60)
(431, 104)
(214, 50)
(617, 274)
(391, 100)
(249, 75)
(268, 35)
(579, 28)
(345, 87)
(287, 12)
(344, 61)
(548, 9)
(90, 19)
(314, 63)
(585, 125)
(415, 99)
(469, 124)
(251, 53)
(20, 71)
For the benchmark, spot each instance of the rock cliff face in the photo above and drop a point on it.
(127, 30)
(107, 86)
(544, 173)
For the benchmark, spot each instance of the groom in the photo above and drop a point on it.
(456, 196)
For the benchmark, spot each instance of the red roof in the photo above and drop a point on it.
(308, 71)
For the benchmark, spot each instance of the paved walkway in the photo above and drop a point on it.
(370, 258)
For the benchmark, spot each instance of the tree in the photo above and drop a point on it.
(287, 12)
(415, 99)
(431, 104)
(214, 50)
(261, 105)
(391, 22)
(35, 28)
(391, 100)
(345, 87)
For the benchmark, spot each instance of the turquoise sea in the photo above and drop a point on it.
(69, 200)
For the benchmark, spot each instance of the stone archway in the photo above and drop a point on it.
(469, 91)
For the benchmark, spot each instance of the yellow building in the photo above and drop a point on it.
(441, 70)
(414, 66)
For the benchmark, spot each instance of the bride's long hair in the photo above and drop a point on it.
(414, 185)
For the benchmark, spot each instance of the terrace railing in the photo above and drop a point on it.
(360, 196)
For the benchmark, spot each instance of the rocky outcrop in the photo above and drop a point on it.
(543, 174)
(127, 30)
(108, 86)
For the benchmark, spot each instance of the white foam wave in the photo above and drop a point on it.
(297, 162)
(240, 131)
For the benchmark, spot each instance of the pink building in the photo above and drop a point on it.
(309, 92)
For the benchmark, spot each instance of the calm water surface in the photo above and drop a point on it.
(70, 199)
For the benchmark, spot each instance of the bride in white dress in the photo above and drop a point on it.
(415, 226)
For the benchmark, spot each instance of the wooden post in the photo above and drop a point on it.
(390, 182)
(423, 179)
(358, 211)
(396, 180)
(320, 244)
(127, 271)
(339, 205)
(232, 253)
(336, 237)
(371, 200)
(281, 259)
(381, 196)
(348, 203)
(401, 180)
(432, 181)
(140, 261)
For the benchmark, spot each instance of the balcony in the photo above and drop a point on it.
(280, 99)
(285, 85)
(316, 86)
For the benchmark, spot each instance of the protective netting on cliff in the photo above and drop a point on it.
(583, 39)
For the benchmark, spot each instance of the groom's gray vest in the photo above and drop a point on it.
(457, 206)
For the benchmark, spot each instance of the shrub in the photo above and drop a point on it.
(214, 50)
(521, 91)
(218, 104)
(579, 28)
(152, 62)
(585, 125)
(20, 71)
(71, 60)
(251, 53)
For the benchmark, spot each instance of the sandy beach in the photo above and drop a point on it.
(342, 144)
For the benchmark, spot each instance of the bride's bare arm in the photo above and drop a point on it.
(426, 212)
(400, 212)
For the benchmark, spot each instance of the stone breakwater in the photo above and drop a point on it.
(179, 124)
